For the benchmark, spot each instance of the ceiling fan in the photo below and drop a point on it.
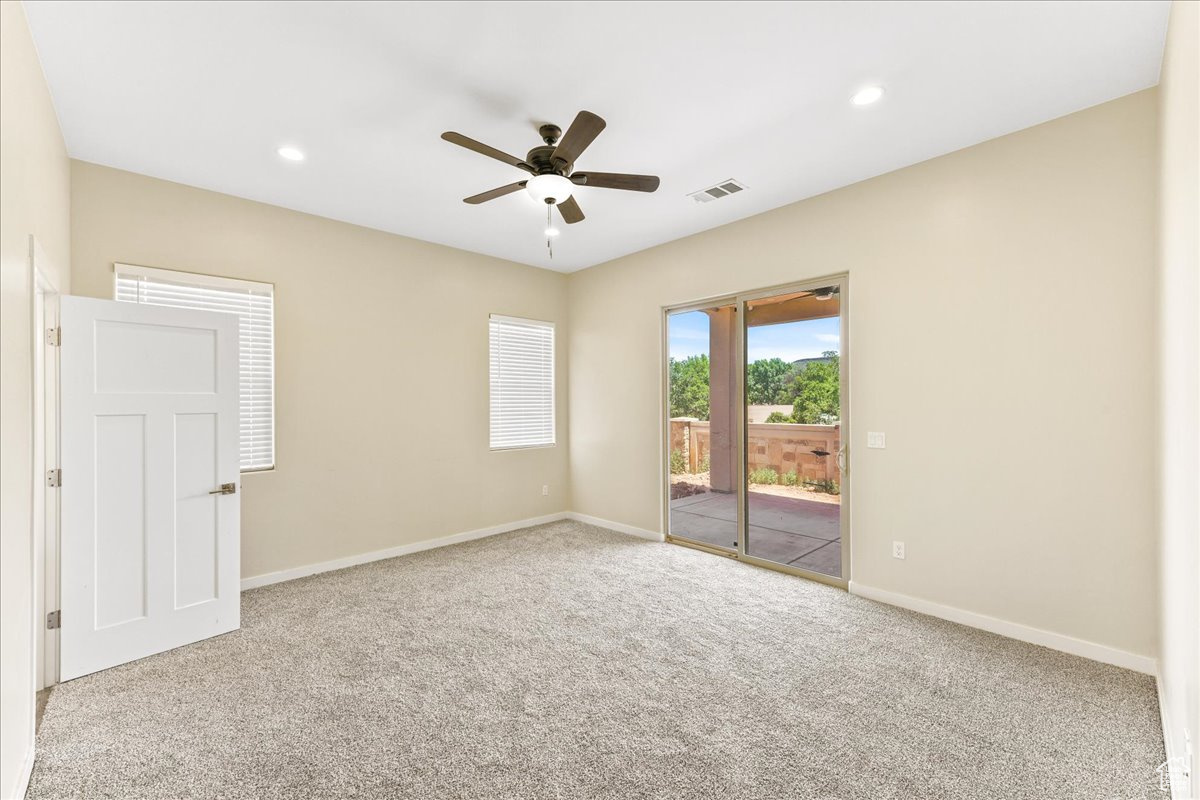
(551, 166)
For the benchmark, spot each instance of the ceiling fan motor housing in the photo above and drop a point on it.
(540, 159)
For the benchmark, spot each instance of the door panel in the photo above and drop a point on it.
(704, 453)
(196, 521)
(170, 359)
(149, 421)
(793, 431)
(120, 470)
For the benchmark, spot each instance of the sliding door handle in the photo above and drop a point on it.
(226, 488)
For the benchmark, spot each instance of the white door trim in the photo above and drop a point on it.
(44, 454)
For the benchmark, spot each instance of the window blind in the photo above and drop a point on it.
(254, 305)
(521, 382)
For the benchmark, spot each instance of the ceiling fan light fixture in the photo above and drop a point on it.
(549, 187)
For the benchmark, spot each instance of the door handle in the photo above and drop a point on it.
(226, 488)
(841, 458)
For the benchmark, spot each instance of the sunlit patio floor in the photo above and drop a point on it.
(786, 530)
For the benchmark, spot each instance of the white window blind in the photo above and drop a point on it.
(254, 305)
(522, 382)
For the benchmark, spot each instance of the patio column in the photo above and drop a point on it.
(721, 345)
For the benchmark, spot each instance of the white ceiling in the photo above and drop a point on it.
(203, 93)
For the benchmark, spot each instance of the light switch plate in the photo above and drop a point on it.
(876, 440)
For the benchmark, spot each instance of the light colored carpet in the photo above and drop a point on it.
(565, 661)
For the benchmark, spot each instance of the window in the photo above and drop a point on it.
(522, 382)
(254, 303)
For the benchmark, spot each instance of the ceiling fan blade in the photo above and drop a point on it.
(583, 131)
(570, 210)
(616, 180)
(486, 150)
(492, 194)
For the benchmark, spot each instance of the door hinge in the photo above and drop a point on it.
(54, 620)
(54, 336)
(54, 478)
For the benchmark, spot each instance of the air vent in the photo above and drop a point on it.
(716, 192)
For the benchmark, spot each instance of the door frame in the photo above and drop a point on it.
(45, 456)
(739, 300)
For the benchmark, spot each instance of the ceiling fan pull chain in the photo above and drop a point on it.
(549, 238)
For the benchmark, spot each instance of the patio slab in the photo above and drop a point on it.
(778, 546)
(692, 500)
(703, 528)
(826, 560)
(786, 530)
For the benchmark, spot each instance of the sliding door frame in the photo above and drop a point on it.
(738, 301)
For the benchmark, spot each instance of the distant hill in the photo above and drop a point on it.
(802, 364)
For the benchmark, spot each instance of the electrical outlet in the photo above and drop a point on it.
(876, 440)
(898, 550)
(545, 491)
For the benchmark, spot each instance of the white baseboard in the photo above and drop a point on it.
(619, 527)
(1175, 748)
(26, 773)
(1013, 630)
(400, 550)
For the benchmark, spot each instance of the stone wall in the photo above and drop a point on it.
(782, 447)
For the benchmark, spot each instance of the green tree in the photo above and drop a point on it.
(766, 381)
(818, 392)
(689, 387)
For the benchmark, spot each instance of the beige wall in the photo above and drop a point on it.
(1179, 661)
(381, 365)
(1031, 259)
(34, 186)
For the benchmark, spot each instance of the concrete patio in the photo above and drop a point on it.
(786, 530)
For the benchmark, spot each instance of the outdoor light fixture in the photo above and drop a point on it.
(549, 188)
(867, 95)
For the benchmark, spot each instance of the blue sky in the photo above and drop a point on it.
(688, 336)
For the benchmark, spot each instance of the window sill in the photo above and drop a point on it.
(523, 447)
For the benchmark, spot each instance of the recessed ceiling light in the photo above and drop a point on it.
(867, 95)
(290, 153)
(552, 231)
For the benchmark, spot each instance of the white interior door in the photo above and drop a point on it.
(149, 431)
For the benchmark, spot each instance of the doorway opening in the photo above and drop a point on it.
(756, 425)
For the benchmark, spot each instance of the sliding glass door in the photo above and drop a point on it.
(702, 418)
(756, 418)
(793, 444)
